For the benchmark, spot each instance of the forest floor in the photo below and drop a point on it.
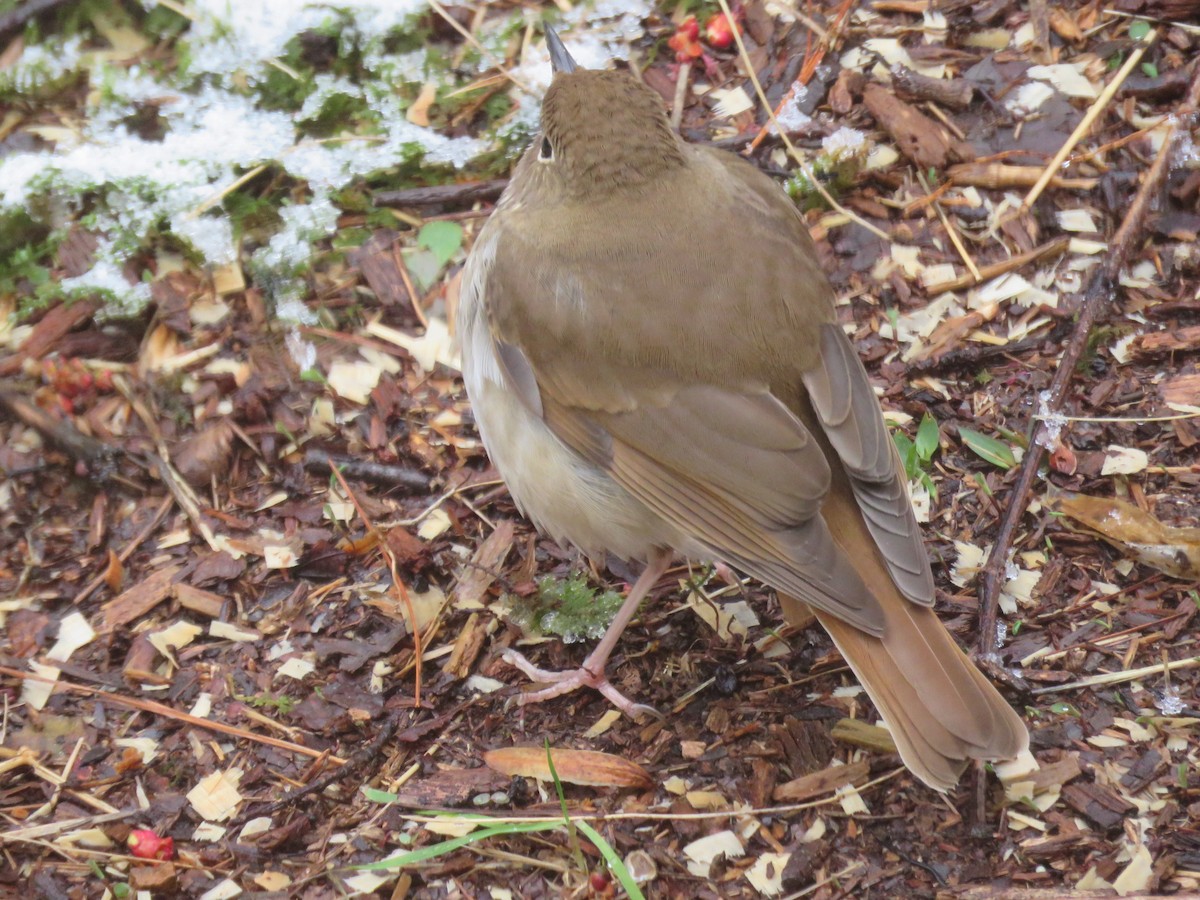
(210, 636)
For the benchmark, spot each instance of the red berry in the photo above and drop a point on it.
(146, 844)
(684, 41)
(718, 32)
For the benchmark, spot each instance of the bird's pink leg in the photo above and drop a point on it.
(592, 673)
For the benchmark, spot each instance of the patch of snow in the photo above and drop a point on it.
(1050, 433)
(105, 276)
(845, 142)
(791, 117)
(42, 65)
(1169, 702)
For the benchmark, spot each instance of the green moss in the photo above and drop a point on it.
(280, 90)
(567, 608)
(1098, 339)
(164, 24)
(27, 261)
(254, 212)
(338, 114)
(836, 171)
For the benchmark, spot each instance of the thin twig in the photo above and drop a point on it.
(128, 550)
(792, 151)
(828, 39)
(681, 86)
(952, 233)
(1085, 124)
(1121, 677)
(474, 42)
(993, 270)
(647, 816)
(160, 709)
(1093, 305)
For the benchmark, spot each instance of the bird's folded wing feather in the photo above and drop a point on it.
(739, 475)
(841, 395)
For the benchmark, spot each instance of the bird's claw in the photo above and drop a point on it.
(559, 683)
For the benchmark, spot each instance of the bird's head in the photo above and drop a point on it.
(602, 131)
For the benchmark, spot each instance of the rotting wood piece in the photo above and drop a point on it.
(823, 782)
(1174, 340)
(443, 194)
(928, 143)
(1102, 805)
(910, 85)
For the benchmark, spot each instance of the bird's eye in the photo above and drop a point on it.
(547, 151)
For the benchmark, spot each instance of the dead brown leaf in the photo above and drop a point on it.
(1173, 550)
(588, 767)
(205, 455)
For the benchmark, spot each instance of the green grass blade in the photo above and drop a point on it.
(615, 864)
(435, 850)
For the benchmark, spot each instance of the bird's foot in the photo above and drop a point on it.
(559, 683)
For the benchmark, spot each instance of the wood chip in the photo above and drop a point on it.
(818, 784)
(1100, 804)
(477, 577)
(138, 600)
(468, 645)
(860, 734)
(1176, 340)
(198, 600)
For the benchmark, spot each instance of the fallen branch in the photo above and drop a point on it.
(461, 194)
(1092, 308)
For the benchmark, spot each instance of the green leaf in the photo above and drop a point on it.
(1150, 69)
(424, 266)
(442, 239)
(1139, 29)
(572, 831)
(1013, 437)
(893, 315)
(929, 485)
(908, 454)
(377, 796)
(983, 485)
(927, 438)
(988, 448)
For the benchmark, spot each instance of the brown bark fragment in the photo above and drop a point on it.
(952, 93)
(923, 140)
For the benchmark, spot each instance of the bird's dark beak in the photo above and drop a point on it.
(560, 59)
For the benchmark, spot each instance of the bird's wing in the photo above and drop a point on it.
(841, 396)
(696, 412)
(738, 474)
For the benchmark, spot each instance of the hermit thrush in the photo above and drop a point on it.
(650, 347)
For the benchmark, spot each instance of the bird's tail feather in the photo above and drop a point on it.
(941, 710)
